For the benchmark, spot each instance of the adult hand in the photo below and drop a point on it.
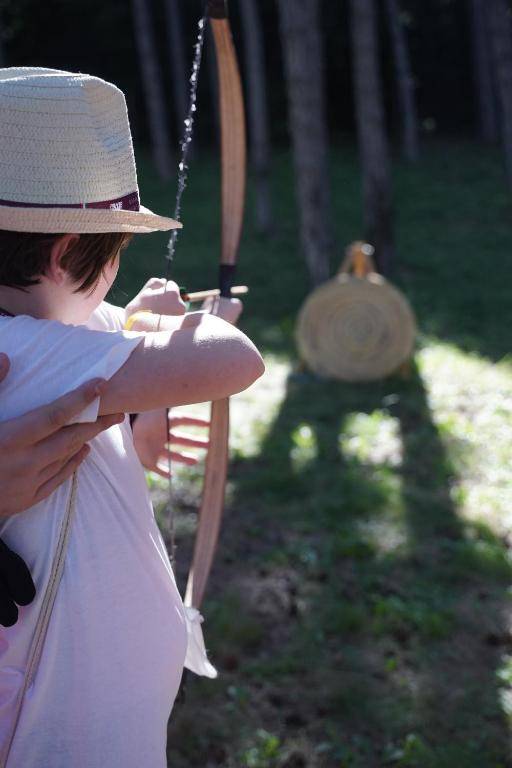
(152, 433)
(162, 297)
(38, 451)
(228, 309)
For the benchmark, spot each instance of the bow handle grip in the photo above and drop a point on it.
(226, 275)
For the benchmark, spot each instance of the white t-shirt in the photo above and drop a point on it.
(116, 643)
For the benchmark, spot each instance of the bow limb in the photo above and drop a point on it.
(233, 165)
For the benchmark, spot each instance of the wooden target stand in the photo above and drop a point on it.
(357, 326)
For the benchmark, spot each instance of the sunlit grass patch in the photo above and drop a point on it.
(267, 750)
(471, 402)
(304, 449)
(371, 538)
(504, 676)
(372, 438)
(264, 752)
(388, 536)
(253, 411)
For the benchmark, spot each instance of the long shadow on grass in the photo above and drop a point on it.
(382, 643)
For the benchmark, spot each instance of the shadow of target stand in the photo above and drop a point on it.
(356, 327)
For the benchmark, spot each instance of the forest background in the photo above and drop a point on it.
(98, 37)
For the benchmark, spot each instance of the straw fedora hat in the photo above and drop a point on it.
(66, 156)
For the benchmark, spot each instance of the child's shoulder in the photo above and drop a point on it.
(35, 349)
(25, 332)
(20, 328)
(49, 358)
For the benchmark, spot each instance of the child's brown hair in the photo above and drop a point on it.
(24, 257)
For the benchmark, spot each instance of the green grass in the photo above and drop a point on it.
(359, 610)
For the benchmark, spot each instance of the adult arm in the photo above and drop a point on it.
(38, 453)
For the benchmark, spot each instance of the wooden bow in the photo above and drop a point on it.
(233, 164)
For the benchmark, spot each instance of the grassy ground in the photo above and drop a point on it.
(360, 608)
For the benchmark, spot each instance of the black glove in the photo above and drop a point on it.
(16, 585)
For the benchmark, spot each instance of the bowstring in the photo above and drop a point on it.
(186, 142)
(183, 168)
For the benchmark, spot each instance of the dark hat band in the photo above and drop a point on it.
(129, 202)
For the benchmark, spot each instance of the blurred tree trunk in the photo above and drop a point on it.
(405, 83)
(500, 28)
(153, 89)
(304, 61)
(483, 73)
(373, 143)
(176, 49)
(257, 112)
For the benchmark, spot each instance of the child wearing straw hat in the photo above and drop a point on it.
(89, 673)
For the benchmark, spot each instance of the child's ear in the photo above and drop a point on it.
(60, 247)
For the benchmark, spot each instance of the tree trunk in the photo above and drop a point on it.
(303, 58)
(153, 89)
(373, 143)
(483, 73)
(501, 40)
(405, 83)
(177, 60)
(257, 112)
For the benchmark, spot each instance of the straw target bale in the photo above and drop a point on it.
(356, 327)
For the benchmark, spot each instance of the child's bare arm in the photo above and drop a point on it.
(203, 358)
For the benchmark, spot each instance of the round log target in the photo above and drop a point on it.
(356, 328)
